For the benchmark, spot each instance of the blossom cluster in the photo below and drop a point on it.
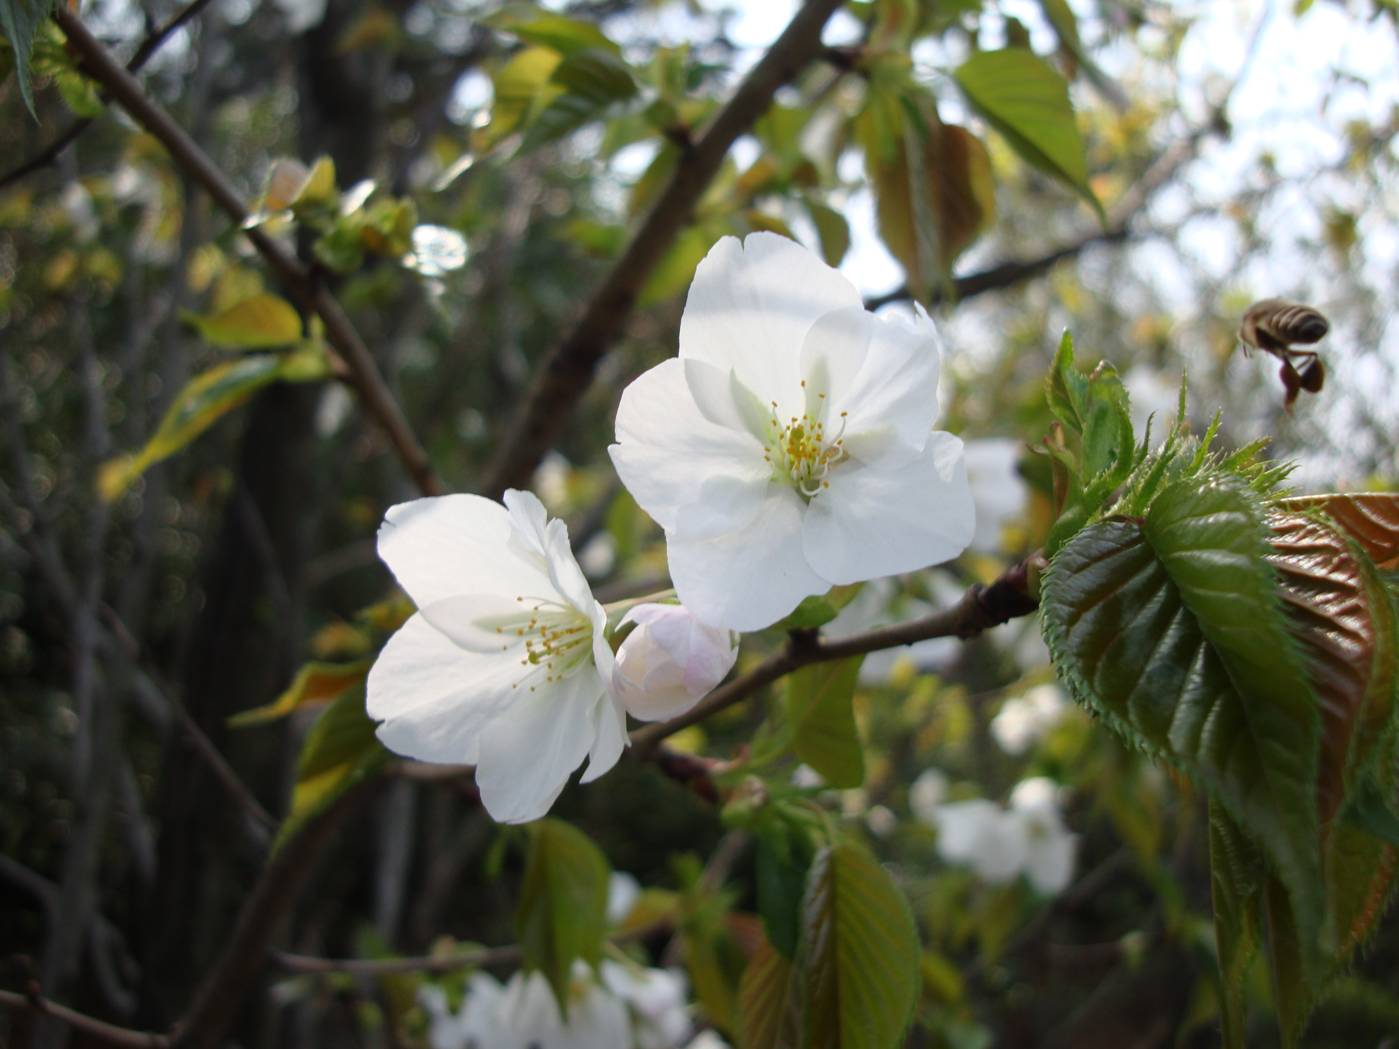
(787, 449)
(621, 1006)
(1026, 837)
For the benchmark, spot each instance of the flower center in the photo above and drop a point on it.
(557, 639)
(800, 450)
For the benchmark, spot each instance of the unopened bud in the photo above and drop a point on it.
(669, 662)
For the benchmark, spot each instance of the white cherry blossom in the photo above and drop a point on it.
(505, 665)
(790, 447)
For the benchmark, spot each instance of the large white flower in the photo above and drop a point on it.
(1025, 720)
(505, 666)
(790, 446)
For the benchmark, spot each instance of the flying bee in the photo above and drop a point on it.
(1273, 326)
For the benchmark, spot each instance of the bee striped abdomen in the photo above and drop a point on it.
(1275, 324)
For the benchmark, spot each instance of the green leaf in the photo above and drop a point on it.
(20, 19)
(562, 914)
(1023, 98)
(819, 698)
(587, 83)
(207, 398)
(258, 323)
(340, 750)
(558, 32)
(832, 230)
(770, 1001)
(314, 683)
(674, 273)
(785, 848)
(1236, 883)
(814, 611)
(1172, 629)
(518, 87)
(860, 960)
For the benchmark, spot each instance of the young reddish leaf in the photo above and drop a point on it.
(1370, 518)
(1342, 620)
(769, 1001)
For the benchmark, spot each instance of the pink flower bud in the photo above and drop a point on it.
(669, 662)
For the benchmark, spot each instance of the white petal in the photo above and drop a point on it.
(724, 400)
(609, 739)
(470, 621)
(1049, 862)
(529, 520)
(876, 520)
(433, 697)
(665, 444)
(530, 749)
(564, 573)
(751, 305)
(748, 579)
(454, 544)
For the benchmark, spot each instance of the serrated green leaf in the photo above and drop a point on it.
(207, 398)
(819, 708)
(340, 750)
(769, 1001)
(1023, 98)
(314, 683)
(261, 322)
(20, 20)
(562, 914)
(1236, 886)
(860, 957)
(1172, 629)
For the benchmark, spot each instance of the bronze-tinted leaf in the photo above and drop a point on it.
(1331, 615)
(1370, 518)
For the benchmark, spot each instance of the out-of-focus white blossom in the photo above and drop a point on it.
(301, 15)
(1151, 392)
(1026, 719)
(926, 793)
(622, 893)
(1027, 837)
(620, 1007)
(669, 662)
(657, 1000)
(998, 490)
(707, 1040)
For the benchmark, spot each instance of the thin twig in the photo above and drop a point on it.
(99, 1030)
(480, 958)
(567, 371)
(153, 42)
(979, 609)
(358, 364)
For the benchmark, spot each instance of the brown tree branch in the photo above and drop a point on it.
(484, 957)
(566, 372)
(979, 609)
(95, 1029)
(360, 370)
(277, 889)
(153, 42)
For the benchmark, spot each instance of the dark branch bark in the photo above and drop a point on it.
(360, 370)
(567, 371)
(979, 609)
(95, 1029)
(144, 51)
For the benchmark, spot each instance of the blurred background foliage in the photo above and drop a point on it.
(1149, 193)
